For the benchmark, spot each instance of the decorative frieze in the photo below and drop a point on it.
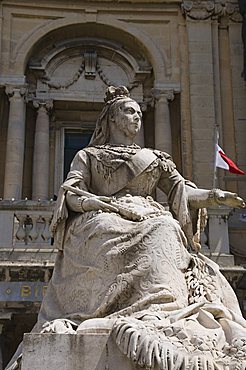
(202, 10)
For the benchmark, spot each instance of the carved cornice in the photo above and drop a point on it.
(202, 9)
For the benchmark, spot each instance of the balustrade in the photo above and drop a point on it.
(25, 224)
(32, 228)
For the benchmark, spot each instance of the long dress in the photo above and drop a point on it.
(141, 273)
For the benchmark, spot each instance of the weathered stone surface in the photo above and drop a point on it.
(73, 352)
(124, 258)
(155, 49)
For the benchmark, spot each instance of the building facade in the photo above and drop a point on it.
(181, 60)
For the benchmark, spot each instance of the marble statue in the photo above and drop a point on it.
(129, 265)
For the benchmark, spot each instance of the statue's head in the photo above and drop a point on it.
(120, 112)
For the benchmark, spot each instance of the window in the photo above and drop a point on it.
(73, 142)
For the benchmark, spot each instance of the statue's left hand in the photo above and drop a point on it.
(229, 199)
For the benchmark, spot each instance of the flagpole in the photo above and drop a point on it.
(216, 141)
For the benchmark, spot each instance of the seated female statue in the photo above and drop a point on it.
(124, 257)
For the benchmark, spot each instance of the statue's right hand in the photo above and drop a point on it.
(107, 204)
(97, 203)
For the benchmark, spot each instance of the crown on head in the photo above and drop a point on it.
(115, 92)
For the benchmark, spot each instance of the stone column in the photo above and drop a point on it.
(199, 16)
(15, 143)
(163, 137)
(1, 345)
(186, 129)
(40, 184)
(228, 120)
(140, 136)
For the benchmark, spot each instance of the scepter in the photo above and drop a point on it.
(125, 212)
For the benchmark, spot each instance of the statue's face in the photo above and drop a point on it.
(128, 118)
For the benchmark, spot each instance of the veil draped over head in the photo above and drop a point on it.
(114, 97)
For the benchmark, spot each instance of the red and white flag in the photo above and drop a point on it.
(222, 161)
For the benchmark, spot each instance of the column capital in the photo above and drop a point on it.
(144, 104)
(163, 95)
(16, 91)
(200, 10)
(47, 104)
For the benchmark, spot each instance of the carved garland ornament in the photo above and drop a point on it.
(87, 68)
(202, 10)
(133, 83)
(66, 84)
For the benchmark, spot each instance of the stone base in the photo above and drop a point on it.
(73, 352)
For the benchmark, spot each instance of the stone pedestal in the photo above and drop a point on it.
(218, 237)
(73, 352)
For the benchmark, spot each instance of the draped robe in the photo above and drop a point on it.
(110, 266)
